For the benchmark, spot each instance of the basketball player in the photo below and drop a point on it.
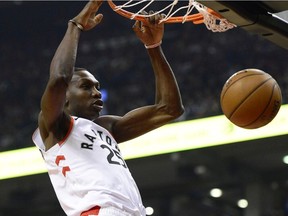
(78, 145)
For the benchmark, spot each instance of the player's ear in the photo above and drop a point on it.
(67, 100)
(66, 106)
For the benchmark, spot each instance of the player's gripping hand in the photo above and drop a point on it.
(150, 32)
(88, 17)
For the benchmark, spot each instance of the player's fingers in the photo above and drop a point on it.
(96, 4)
(137, 25)
(158, 17)
(143, 12)
(98, 18)
(150, 19)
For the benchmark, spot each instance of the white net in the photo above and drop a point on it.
(213, 22)
(186, 9)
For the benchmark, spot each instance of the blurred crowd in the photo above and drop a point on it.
(202, 61)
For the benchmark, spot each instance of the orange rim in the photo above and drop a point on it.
(196, 18)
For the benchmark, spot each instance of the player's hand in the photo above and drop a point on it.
(150, 32)
(88, 17)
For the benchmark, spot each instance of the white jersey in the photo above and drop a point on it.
(87, 170)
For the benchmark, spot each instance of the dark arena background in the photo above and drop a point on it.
(245, 178)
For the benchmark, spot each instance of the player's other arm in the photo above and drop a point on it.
(168, 103)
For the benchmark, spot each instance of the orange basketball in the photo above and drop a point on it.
(251, 98)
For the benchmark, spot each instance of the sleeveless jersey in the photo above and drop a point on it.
(87, 170)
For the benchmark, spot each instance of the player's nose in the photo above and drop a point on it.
(96, 93)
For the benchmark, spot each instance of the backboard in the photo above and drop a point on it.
(268, 19)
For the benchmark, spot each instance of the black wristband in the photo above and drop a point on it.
(77, 24)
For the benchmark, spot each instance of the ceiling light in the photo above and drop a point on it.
(285, 159)
(149, 210)
(242, 203)
(216, 192)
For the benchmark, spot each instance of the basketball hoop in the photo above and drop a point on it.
(213, 21)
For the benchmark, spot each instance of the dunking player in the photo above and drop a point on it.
(79, 147)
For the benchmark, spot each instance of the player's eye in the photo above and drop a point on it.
(85, 86)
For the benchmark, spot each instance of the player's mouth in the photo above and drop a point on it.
(98, 104)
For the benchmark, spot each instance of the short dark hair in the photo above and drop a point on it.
(77, 69)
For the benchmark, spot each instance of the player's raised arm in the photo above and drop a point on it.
(52, 114)
(168, 104)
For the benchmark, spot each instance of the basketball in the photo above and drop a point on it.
(251, 98)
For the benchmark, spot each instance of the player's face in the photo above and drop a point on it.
(83, 96)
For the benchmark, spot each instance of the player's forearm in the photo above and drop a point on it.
(167, 90)
(64, 59)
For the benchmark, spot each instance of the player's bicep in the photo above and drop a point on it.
(139, 121)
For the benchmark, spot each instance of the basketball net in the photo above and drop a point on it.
(213, 21)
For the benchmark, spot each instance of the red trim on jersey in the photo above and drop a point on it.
(65, 169)
(93, 211)
(59, 158)
(69, 131)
